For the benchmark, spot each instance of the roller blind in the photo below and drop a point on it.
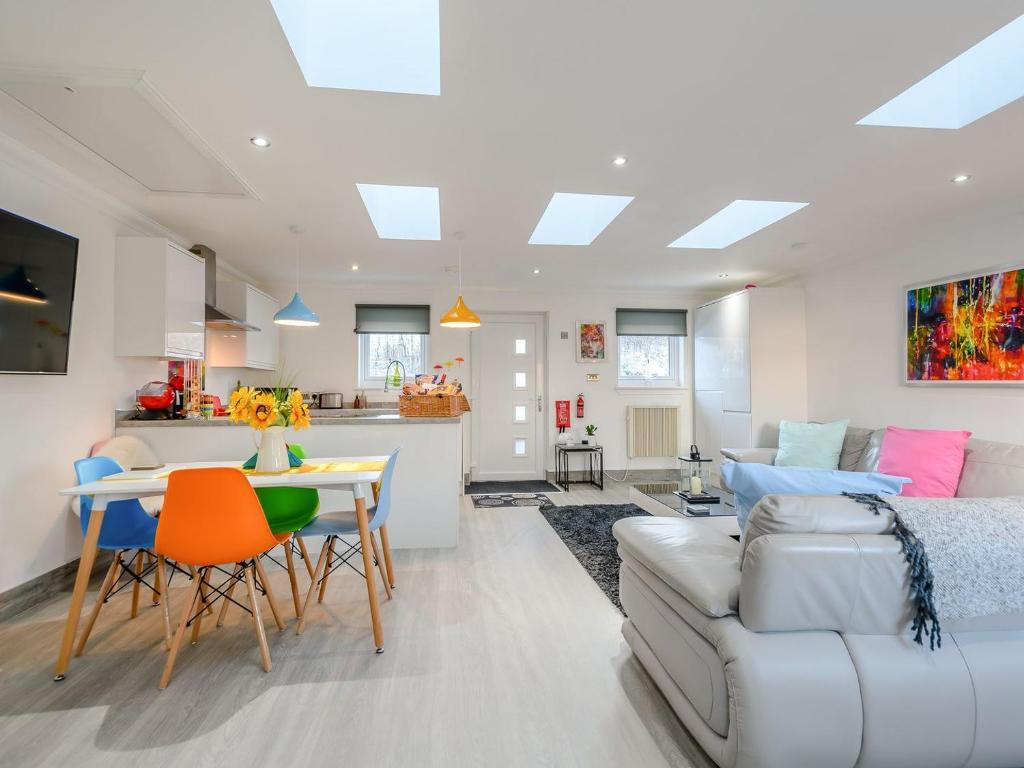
(393, 318)
(650, 322)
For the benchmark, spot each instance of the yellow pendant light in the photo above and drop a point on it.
(460, 316)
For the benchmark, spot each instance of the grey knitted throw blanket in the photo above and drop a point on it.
(974, 561)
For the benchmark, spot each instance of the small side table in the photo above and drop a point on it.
(595, 462)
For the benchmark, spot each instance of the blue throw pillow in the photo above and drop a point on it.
(751, 482)
(803, 444)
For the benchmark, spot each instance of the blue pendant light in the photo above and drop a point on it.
(295, 312)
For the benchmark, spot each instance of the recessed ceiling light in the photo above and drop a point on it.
(536, 271)
(574, 219)
(260, 141)
(365, 45)
(961, 178)
(739, 219)
(355, 267)
(620, 160)
(985, 77)
(403, 213)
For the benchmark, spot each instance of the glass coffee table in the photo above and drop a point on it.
(662, 499)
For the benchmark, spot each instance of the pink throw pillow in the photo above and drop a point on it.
(932, 458)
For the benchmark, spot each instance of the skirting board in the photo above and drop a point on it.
(48, 585)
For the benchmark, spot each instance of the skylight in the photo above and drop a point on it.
(403, 213)
(573, 219)
(980, 80)
(365, 45)
(739, 219)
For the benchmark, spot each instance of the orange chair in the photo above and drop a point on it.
(210, 517)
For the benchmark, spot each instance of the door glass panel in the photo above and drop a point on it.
(519, 447)
(520, 379)
(520, 414)
(520, 346)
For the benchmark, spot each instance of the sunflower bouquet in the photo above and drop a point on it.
(260, 409)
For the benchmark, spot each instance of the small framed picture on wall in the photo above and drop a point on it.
(591, 342)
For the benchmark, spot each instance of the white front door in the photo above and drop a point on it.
(508, 424)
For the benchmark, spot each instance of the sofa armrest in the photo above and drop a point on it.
(751, 455)
(699, 563)
(849, 583)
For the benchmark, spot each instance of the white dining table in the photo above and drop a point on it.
(138, 484)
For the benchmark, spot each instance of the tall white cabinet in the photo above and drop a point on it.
(159, 299)
(750, 368)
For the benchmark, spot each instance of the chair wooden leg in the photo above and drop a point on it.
(380, 566)
(136, 588)
(330, 561)
(204, 574)
(293, 581)
(202, 588)
(386, 546)
(312, 586)
(270, 594)
(261, 635)
(227, 595)
(108, 582)
(371, 589)
(172, 653)
(165, 602)
(156, 579)
(305, 556)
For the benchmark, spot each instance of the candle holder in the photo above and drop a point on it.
(695, 478)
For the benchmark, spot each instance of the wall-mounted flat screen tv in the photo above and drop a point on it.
(37, 286)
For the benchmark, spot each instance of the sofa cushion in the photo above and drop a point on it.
(808, 444)
(932, 458)
(868, 461)
(992, 469)
(698, 562)
(854, 445)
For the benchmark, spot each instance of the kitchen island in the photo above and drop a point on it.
(428, 477)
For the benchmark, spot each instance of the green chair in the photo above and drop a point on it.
(289, 510)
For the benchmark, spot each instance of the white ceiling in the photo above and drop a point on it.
(709, 101)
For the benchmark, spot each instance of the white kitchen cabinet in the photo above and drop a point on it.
(750, 368)
(159, 300)
(244, 349)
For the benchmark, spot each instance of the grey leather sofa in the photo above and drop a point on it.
(803, 657)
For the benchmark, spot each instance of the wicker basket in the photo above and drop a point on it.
(432, 405)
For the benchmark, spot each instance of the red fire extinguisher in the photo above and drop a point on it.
(579, 406)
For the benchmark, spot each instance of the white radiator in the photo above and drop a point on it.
(652, 431)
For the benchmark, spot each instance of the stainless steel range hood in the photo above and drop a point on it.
(217, 319)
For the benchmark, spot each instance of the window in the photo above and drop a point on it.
(376, 350)
(650, 361)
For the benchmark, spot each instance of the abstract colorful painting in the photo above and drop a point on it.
(967, 329)
(591, 342)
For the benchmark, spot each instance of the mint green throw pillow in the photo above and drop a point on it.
(810, 445)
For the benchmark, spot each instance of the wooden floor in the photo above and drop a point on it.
(501, 652)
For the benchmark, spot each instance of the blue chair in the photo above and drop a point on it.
(336, 524)
(126, 527)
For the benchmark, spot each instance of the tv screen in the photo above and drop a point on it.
(37, 285)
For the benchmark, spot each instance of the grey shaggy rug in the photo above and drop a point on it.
(587, 531)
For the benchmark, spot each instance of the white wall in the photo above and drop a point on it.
(855, 332)
(324, 358)
(49, 421)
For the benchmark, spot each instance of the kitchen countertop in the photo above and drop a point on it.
(329, 417)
